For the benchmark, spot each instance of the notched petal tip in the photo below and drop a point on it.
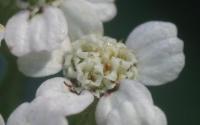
(162, 62)
(159, 52)
(53, 85)
(150, 32)
(82, 20)
(131, 104)
(24, 35)
(61, 99)
(106, 10)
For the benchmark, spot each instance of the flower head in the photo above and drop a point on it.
(98, 65)
(153, 51)
(86, 16)
(130, 104)
(35, 30)
(46, 25)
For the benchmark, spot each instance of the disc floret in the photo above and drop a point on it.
(97, 63)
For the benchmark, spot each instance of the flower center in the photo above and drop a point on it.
(97, 64)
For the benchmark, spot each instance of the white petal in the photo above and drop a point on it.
(61, 99)
(105, 9)
(41, 32)
(161, 119)
(81, 19)
(18, 117)
(53, 85)
(41, 114)
(150, 32)
(40, 64)
(159, 52)
(43, 63)
(1, 33)
(130, 105)
(35, 113)
(1, 120)
(162, 62)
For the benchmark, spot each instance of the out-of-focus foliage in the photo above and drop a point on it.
(10, 81)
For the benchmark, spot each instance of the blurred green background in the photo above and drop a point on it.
(180, 100)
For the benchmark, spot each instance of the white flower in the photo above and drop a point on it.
(83, 16)
(155, 54)
(131, 104)
(35, 30)
(86, 16)
(38, 113)
(158, 51)
(105, 10)
(46, 26)
(43, 63)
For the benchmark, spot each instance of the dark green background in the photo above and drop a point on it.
(180, 100)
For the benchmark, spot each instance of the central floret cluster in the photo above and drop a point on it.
(97, 63)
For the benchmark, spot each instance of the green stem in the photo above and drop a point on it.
(86, 117)
(33, 2)
(49, 1)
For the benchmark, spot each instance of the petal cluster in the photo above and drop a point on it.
(41, 37)
(131, 105)
(82, 20)
(43, 33)
(46, 25)
(53, 103)
(26, 33)
(160, 59)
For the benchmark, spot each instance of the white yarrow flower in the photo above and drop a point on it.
(130, 104)
(40, 29)
(83, 16)
(155, 46)
(44, 29)
(116, 74)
